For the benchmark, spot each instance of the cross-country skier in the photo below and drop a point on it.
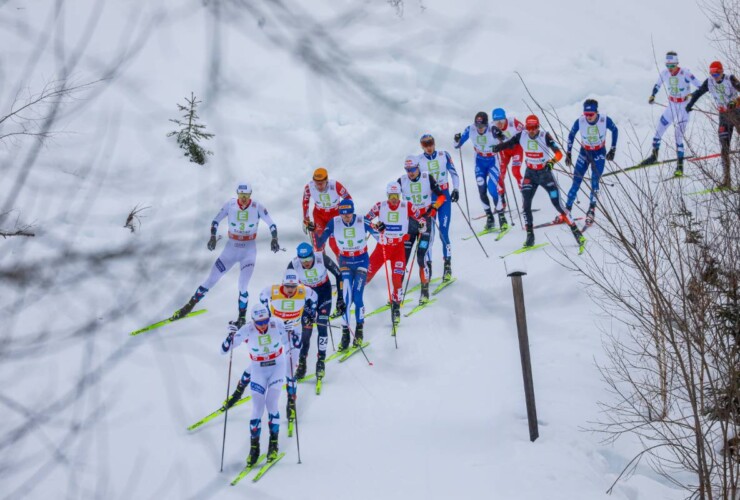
(295, 304)
(540, 154)
(313, 270)
(326, 195)
(439, 165)
(593, 127)
(677, 83)
(348, 232)
(724, 89)
(244, 215)
(508, 127)
(423, 193)
(391, 231)
(486, 164)
(268, 342)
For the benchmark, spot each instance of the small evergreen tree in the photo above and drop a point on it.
(191, 132)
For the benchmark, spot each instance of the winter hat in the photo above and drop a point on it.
(671, 58)
(498, 114)
(590, 106)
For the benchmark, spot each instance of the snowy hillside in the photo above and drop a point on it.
(90, 412)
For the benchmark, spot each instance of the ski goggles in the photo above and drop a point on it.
(427, 141)
(306, 260)
(480, 125)
(412, 169)
(394, 197)
(671, 65)
(261, 322)
(715, 75)
(589, 114)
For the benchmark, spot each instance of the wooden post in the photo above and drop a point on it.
(521, 325)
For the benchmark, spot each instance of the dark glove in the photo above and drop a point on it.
(651, 99)
(732, 104)
(455, 196)
(274, 245)
(212, 243)
(568, 159)
(610, 154)
(309, 225)
(549, 164)
(689, 108)
(341, 306)
(380, 226)
(457, 138)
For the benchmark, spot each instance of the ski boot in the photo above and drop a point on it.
(184, 310)
(679, 168)
(502, 221)
(272, 448)
(447, 273)
(578, 235)
(320, 368)
(290, 407)
(236, 396)
(590, 215)
(358, 335)
(396, 312)
(344, 343)
(530, 239)
(254, 451)
(562, 218)
(300, 370)
(424, 298)
(490, 224)
(650, 159)
(241, 320)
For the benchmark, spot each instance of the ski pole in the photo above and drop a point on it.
(465, 186)
(359, 345)
(226, 412)
(297, 439)
(388, 285)
(511, 183)
(408, 279)
(473, 230)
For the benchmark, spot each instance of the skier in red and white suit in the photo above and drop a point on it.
(391, 230)
(508, 127)
(326, 195)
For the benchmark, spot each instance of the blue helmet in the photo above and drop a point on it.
(304, 250)
(346, 206)
(498, 114)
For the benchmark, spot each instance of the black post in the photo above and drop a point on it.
(521, 325)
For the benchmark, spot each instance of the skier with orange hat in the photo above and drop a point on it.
(724, 89)
(541, 152)
(326, 195)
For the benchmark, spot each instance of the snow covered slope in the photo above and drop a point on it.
(288, 87)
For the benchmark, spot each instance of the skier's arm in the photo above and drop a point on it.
(311, 305)
(691, 79)
(612, 127)
(453, 172)
(219, 217)
(572, 135)
(368, 220)
(657, 86)
(554, 147)
(703, 89)
(342, 191)
(508, 144)
(735, 82)
(333, 268)
(262, 212)
(234, 338)
(306, 201)
(463, 137)
(438, 191)
(265, 298)
(329, 231)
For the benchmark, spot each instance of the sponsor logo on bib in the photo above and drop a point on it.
(349, 232)
(242, 215)
(393, 216)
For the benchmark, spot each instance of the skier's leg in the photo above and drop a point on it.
(358, 292)
(597, 169)
(246, 262)
(395, 253)
(444, 216)
(322, 320)
(548, 182)
(504, 158)
(229, 256)
(481, 180)
(665, 120)
(529, 187)
(492, 183)
(346, 292)
(376, 262)
(258, 389)
(680, 121)
(724, 133)
(421, 254)
(413, 234)
(578, 172)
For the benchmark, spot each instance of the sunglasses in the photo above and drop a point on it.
(427, 142)
(411, 169)
(671, 66)
(715, 75)
(481, 125)
(261, 322)
(394, 197)
(589, 114)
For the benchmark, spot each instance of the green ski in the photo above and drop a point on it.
(482, 233)
(385, 308)
(420, 307)
(318, 386)
(503, 233)
(718, 189)
(166, 321)
(524, 249)
(267, 467)
(216, 413)
(443, 285)
(247, 469)
(349, 352)
(581, 246)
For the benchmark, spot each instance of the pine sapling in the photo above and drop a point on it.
(191, 132)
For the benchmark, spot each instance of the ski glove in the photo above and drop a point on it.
(610, 154)
(457, 140)
(549, 164)
(309, 225)
(341, 306)
(568, 159)
(380, 226)
(274, 245)
(651, 99)
(455, 196)
(212, 243)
